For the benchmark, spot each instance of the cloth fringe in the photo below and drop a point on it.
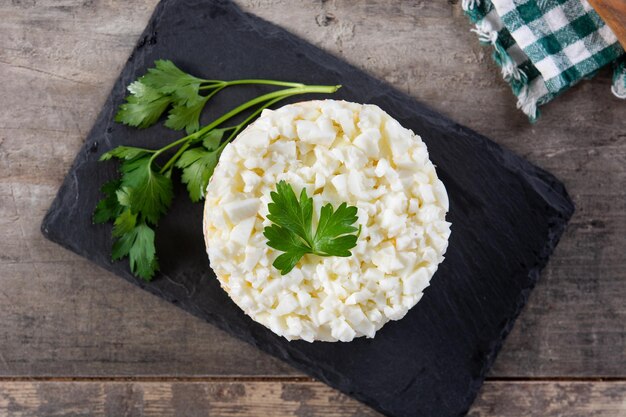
(511, 73)
(469, 4)
(619, 78)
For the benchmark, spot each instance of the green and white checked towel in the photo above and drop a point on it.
(546, 46)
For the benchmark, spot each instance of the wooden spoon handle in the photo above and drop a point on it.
(613, 12)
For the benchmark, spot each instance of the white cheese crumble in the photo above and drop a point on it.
(340, 152)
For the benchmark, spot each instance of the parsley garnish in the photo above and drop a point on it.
(291, 231)
(142, 195)
(167, 86)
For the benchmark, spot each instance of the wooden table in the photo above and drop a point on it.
(77, 341)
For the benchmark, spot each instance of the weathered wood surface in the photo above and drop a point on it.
(61, 316)
(282, 399)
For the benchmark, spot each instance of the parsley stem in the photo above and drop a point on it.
(166, 147)
(269, 96)
(258, 111)
(223, 84)
(268, 99)
(265, 82)
(236, 129)
(214, 92)
(173, 159)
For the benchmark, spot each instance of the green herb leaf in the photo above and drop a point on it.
(108, 208)
(123, 232)
(188, 95)
(152, 94)
(213, 139)
(291, 231)
(125, 152)
(123, 196)
(332, 235)
(135, 240)
(167, 78)
(291, 214)
(198, 165)
(186, 116)
(143, 261)
(288, 260)
(143, 107)
(149, 192)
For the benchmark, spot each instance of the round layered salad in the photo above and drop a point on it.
(339, 152)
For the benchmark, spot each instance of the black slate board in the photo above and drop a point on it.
(507, 216)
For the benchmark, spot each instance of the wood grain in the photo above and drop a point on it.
(282, 399)
(613, 12)
(61, 316)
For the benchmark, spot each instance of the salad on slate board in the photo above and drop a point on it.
(323, 219)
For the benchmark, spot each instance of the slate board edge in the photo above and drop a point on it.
(511, 161)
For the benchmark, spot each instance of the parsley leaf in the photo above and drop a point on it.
(141, 196)
(332, 235)
(146, 191)
(149, 192)
(143, 260)
(186, 116)
(167, 78)
(213, 139)
(135, 239)
(123, 232)
(291, 228)
(125, 152)
(108, 208)
(199, 163)
(153, 93)
(143, 107)
(288, 260)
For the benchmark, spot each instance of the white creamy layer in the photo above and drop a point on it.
(340, 152)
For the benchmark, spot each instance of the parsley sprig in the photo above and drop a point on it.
(136, 201)
(292, 231)
(167, 86)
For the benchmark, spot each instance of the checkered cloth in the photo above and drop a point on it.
(546, 46)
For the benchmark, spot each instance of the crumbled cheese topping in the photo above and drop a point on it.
(340, 152)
